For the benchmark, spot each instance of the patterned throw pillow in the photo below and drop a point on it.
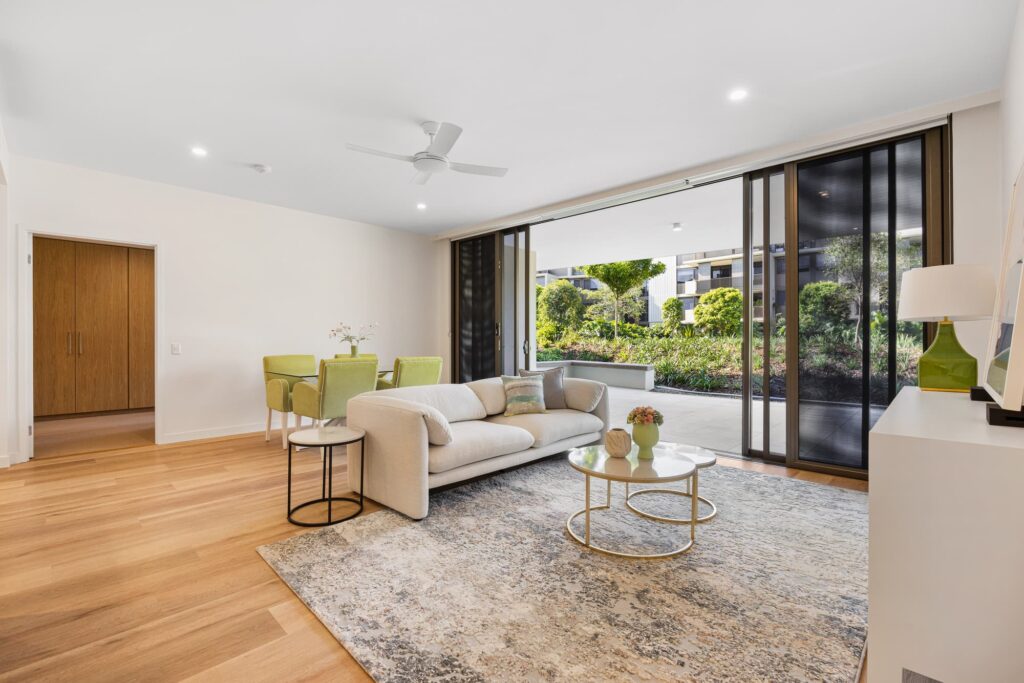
(523, 395)
(554, 390)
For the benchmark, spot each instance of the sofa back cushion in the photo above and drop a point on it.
(456, 402)
(583, 394)
(554, 389)
(491, 393)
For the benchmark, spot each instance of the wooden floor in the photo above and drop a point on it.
(140, 564)
(93, 433)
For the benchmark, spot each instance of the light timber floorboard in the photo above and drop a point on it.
(141, 564)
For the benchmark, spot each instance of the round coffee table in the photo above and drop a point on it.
(702, 458)
(668, 465)
(326, 438)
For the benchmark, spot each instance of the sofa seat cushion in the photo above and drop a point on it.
(477, 440)
(551, 426)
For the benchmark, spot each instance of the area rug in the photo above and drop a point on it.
(490, 588)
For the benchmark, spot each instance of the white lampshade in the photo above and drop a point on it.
(957, 292)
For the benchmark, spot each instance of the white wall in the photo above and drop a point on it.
(237, 280)
(8, 402)
(978, 218)
(1013, 109)
(661, 288)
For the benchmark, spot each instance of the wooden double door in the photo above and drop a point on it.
(93, 327)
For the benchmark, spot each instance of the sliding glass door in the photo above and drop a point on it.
(492, 304)
(765, 315)
(860, 224)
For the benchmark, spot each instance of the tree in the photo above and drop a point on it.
(846, 264)
(720, 312)
(672, 315)
(603, 303)
(560, 304)
(823, 306)
(621, 277)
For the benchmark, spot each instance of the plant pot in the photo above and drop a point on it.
(646, 438)
(618, 443)
(354, 350)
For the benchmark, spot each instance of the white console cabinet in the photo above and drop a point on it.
(946, 543)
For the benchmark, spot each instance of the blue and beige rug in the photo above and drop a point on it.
(489, 587)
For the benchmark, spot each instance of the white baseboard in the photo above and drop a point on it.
(194, 435)
(5, 461)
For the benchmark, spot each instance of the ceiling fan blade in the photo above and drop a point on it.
(377, 152)
(421, 178)
(478, 170)
(444, 139)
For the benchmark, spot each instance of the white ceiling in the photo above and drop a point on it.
(711, 217)
(573, 96)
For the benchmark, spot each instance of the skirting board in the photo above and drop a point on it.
(5, 461)
(197, 434)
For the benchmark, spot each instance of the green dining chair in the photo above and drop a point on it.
(280, 375)
(338, 381)
(413, 371)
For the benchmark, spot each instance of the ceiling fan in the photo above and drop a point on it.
(433, 159)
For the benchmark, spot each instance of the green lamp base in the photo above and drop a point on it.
(946, 366)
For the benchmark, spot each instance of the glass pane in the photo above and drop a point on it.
(522, 277)
(508, 303)
(909, 252)
(878, 294)
(756, 313)
(476, 263)
(775, 279)
(830, 217)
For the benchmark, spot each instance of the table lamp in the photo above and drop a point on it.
(943, 294)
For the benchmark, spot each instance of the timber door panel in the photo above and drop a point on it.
(140, 328)
(101, 309)
(53, 326)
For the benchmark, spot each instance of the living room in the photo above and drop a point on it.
(315, 338)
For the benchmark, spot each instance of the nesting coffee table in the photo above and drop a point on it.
(671, 463)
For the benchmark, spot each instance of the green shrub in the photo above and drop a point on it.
(560, 306)
(824, 306)
(720, 312)
(672, 315)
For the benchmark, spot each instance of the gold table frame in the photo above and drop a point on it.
(588, 508)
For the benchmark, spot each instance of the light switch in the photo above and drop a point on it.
(175, 349)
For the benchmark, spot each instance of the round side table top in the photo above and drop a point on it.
(326, 436)
(701, 457)
(669, 463)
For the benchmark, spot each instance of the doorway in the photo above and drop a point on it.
(93, 346)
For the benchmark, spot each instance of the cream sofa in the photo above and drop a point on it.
(419, 438)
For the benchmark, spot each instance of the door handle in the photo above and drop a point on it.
(79, 343)
(69, 344)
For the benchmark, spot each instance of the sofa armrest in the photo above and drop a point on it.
(396, 473)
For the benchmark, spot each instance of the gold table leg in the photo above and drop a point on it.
(585, 541)
(691, 492)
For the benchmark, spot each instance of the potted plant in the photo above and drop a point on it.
(645, 421)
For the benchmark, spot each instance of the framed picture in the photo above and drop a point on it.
(1004, 376)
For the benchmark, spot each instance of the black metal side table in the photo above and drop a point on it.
(326, 438)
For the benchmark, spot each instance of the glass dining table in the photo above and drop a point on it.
(311, 376)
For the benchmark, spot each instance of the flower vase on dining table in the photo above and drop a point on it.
(354, 350)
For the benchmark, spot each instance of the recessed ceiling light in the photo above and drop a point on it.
(198, 151)
(421, 206)
(737, 95)
(677, 227)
